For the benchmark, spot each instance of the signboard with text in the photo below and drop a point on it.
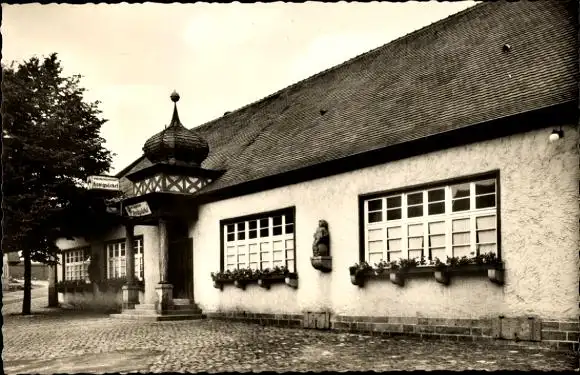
(103, 183)
(138, 209)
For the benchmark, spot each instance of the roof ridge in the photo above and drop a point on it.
(346, 62)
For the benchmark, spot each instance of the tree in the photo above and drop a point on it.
(51, 144)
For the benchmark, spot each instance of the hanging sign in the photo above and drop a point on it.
(103, 183)
(138, 209)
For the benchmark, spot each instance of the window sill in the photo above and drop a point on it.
(290, 280)
(494, 273)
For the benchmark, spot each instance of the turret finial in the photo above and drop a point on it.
(175, 118)
(174, 96)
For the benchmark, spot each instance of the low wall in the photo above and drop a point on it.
(97, 301)
(38, 271)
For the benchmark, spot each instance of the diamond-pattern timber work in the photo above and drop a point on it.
(170, 183)
(148, 186)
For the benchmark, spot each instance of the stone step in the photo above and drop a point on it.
(182, 301)
(151, 307)
(145, 306)
(186, 307)
(191, 310)
(140, 312)
(155, 317)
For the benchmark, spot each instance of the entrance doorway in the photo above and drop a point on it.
(180, 262)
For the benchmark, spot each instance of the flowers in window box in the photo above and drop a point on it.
(381, 267)
(452, 262)
(263, 277)
(394, 266)
(495, 274)
(115, 284)
(399, 268)
(491, 258)
(220, 277)
(441, 272)
(406, 264)
(478, 259)
(463, 261)
(358, 271)
(241, 277)
(73, 286)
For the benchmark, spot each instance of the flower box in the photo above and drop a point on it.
(240, 284)
(486, 264)
(291, 281)
(264, 283)
(441, 276)
(241, 278)
(495, 275)
(397, 278)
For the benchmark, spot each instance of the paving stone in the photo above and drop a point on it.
(53, 339)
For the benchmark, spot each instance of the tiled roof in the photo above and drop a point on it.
(452, 74)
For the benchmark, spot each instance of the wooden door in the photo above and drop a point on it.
(181, 268)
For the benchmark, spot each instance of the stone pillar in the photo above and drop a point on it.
(52, 292)
(164, 288)
(130, 290)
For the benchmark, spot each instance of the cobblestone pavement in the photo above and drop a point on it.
(72, 342)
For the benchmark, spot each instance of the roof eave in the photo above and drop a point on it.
(559, 114)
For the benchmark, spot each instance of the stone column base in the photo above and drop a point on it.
(164, 298)
(130, 296)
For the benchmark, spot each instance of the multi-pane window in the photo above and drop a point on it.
(449, 220)
(260, 242)
(76, 264)
(116, 259)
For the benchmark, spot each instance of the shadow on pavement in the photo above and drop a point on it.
(118, 361)
(58, 312)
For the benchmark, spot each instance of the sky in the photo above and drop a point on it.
(218, 57)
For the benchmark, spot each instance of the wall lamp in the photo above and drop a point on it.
(556, 134)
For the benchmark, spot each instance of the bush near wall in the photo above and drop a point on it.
(107, 285)
(38, 271)
(107, 297)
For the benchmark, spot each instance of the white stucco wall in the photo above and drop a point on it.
(150, 253)
(539, 215)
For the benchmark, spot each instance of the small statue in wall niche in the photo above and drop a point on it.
(321, 245)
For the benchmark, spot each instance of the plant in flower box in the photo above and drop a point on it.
(220, 278)
(495, 273)
(464, 261)
(266, 276)
(381, 267)
(242, 276)
(478, 259)
(407, 264)
(359, 271)
(261, 276)
(452, 262)
(399, 269)
(441, 272)
(290, 278)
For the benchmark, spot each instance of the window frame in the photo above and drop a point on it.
(139, 258)
(258, 217)
(86, 251)
(434, 185)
